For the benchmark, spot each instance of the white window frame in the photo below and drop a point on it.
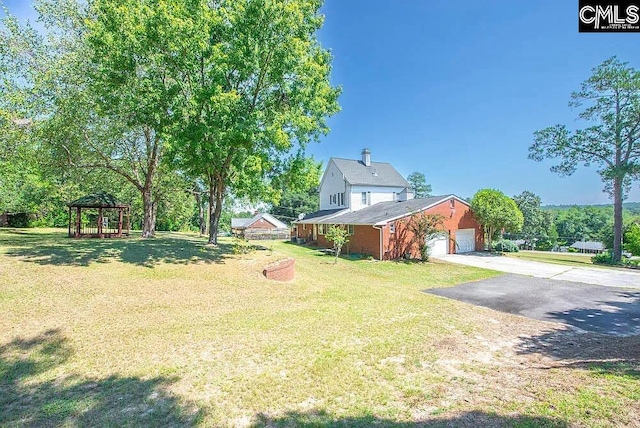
(350, 229)
(321, 229)
(392, 227)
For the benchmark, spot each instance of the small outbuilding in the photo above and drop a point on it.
(99, 215)
(260, 226)
(592, 247)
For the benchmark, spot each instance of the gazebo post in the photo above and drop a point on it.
(128, 221)
(120, 215)
(78, 222)
(69, 233)
(100, 235)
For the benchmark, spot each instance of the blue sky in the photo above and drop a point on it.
(456, 89)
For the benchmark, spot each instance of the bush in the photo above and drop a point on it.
(631, 262)
(604, 258)
(572, 250)
(240, 246)
(505, 246)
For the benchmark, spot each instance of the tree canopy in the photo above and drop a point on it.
(419, 185)
(495, 212)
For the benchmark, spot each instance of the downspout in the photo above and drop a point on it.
(380, 229)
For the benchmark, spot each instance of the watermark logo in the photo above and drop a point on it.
(609, 16)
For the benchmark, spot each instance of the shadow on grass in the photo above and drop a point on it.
(467, 419)
(58, 249)
(29, 397)
(618, 356)
(603, 355)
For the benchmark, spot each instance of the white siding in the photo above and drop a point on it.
(332, 183)
(377, 194)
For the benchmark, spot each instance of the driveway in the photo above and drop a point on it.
(604, 277)
(605, 310)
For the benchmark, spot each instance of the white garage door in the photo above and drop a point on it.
(465, 240)
(438, 245)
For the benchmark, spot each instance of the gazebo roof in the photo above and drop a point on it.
(97, 200)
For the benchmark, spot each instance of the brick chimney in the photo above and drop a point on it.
(366, 157)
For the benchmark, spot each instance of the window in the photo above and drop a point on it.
(350, 229)
(341, 198)
(452, 203)
(329, 199)
(366, 198)
(321, 229)
(392, 226)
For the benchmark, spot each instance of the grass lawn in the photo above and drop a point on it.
(568, 259)
(171, 332)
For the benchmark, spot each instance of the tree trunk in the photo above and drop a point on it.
(201, 223)
(617, 219)
(216, 196)
(149, 219)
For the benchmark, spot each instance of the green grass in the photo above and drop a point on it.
(172, 332)
(567, 259)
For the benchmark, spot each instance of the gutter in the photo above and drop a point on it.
(380, 229)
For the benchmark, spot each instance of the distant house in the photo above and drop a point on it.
(593, 247)
(372, 200)
(260, 226)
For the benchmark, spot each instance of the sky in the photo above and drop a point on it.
(455, 90)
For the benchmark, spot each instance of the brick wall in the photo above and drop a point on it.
(282, 270)
(365, 240)
(457, 217)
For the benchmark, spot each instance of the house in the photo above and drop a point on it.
(355, 184)
(374, 202)
(588, 246)
(260, 226)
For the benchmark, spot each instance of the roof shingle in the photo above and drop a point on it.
(378, 174)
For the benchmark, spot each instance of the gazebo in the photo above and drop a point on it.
(99, 215)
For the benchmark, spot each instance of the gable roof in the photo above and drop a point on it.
(380, 213)
(588, 245)
(238, 223)
(378, 174)
(243, 223)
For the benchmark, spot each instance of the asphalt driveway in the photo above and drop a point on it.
(597, 276)
(605, 310)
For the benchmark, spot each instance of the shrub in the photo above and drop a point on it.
(572, 250)
(604, 258)
(506, 246)
(631, 262)
(240, 246)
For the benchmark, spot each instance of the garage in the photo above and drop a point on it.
(438, 245)
(465, 240)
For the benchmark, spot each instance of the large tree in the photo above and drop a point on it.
(536, 224)
(419, 185)
(495, 212)
(610, 107)
(254, 89)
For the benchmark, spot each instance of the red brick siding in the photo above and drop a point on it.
(461, 217)
(283, 270)
(365, 240)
